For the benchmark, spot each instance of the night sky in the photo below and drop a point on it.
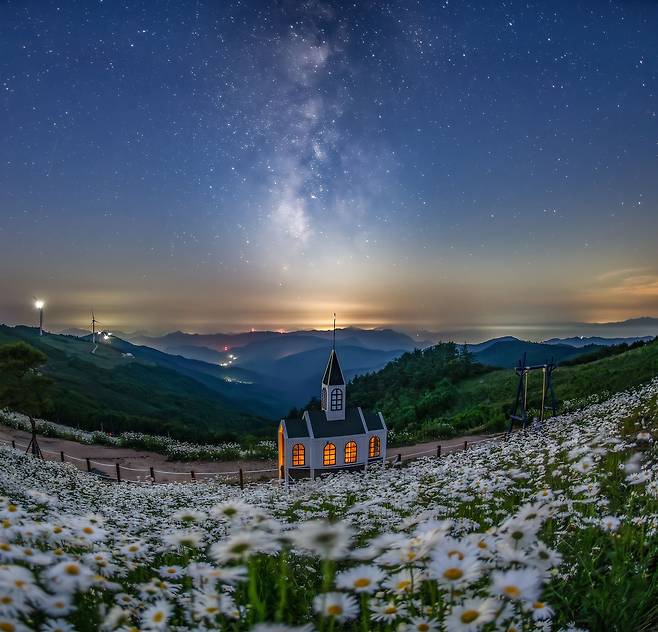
(220, 165)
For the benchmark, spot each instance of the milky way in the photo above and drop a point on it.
(218, 165)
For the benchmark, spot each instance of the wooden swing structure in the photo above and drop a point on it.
(33, 446)
(520, 411)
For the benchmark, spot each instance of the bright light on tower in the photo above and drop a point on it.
(38, 303)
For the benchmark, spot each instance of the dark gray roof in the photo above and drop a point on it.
(333, 376)
(296, 428)
(322, 427)
(373, 421)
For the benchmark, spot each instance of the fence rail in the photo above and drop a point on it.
(150, 472)
(192, 475)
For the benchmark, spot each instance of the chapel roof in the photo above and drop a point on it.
(333, 376)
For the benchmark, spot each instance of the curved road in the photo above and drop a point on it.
(135, 464)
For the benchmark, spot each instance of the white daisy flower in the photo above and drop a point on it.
(518, 585)
(156, 616)
(340, 606)
(471, 615)
(361, 579)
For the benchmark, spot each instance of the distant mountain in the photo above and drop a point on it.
(300, 374)
(507, 353)
(197, 353)
(292, 361)
(483, 346)
(584, 341)
(383, 339)
(121, 386)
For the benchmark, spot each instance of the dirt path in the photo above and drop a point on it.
(135, 464)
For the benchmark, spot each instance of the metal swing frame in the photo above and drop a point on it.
(520, 410)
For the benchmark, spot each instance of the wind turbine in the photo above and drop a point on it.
(94, 322)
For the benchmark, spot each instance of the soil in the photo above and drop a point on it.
(103, 459)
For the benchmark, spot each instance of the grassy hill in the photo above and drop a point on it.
(122, 387)
(506, 353)
(437, 392)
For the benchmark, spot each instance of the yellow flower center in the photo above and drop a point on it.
(468, 616)
(5, 547)
(453, 573)
(362, 582)
(5, 600)
(404, 584)
(390, 609)
(72, 569)
(334, 609)
(88, 530)
(512, 591)
(158, 617)
(422, 627)
(5, 626)
(458, 554)
(538, 605)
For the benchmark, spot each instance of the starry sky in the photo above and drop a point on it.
(212, 165)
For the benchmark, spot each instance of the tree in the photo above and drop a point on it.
(22, 388)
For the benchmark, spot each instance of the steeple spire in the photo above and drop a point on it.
(334, 345)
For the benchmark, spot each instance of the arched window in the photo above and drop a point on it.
(324, 399)
(350, 452)
(337, 399)
(329, 454)
(374, 447)
(298, 455)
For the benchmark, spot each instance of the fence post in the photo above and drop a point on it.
(241, 479)
(13, 444)
(61, 456)
(118, 472)
(88, 465)
(438, 451)
(192, 475)
(398, 459)
(465, 445)
(152, 474)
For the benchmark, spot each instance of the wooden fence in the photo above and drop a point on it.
(122, 473)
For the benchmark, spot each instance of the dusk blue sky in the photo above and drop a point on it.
(226, 165)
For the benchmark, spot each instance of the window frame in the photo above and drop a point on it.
(298, 455)
(336, 399)
(374, 447)
(329, 454)
(350, 452)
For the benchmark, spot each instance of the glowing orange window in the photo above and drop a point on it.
(374, 447)
(329, 454)
(350, 452)
(298, 455)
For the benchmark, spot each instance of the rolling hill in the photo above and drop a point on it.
(505, 353)
(127, 387)
(441, 391)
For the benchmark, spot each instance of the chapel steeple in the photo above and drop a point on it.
(333, 386)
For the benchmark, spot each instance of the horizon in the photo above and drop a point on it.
(447, 333)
